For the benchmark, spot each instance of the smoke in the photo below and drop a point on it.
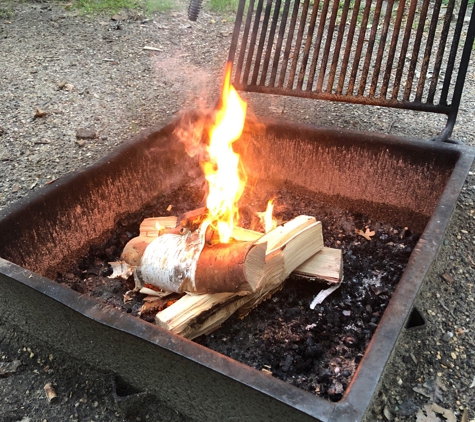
(192, 86)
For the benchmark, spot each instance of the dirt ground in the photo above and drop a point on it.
(92, 73)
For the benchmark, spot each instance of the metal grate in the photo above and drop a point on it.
(409, 54)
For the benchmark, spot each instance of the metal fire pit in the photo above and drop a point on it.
(412, 182)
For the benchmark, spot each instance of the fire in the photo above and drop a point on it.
(266, 218)
(269, 221)
(226, 178)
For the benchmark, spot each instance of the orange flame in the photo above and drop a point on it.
(226, 179)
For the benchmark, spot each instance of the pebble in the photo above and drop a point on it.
(447, 336)
(86, 134)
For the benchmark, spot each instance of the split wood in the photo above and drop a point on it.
(296, 247)
(288, 246)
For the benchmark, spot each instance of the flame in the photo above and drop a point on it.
(269, 222)
(226, 178)
(266, 218)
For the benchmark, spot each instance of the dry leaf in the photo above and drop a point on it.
(447, 414)
(429, 414)
(432, 388)
(367, 234)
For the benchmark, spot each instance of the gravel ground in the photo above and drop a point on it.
(77, 73)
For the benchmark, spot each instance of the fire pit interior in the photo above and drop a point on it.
(315, 349)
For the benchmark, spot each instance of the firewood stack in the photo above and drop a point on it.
(182, 256)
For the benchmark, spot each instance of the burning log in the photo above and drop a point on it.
(287, 247)
(150, 229)
(183, 263)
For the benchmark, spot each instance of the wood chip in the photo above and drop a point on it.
(50, 393)
(40, 113)
(447, 277)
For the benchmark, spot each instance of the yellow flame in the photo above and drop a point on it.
(269, 221)
(226, 180)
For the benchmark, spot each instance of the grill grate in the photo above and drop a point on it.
(409, 54)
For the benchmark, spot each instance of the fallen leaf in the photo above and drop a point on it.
(433, 389)
(422, 391)
(447, 414)
(367, 234)
(427, 415)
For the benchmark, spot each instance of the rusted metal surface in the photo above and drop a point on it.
(403, 54)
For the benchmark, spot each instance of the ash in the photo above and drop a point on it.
(317, 350)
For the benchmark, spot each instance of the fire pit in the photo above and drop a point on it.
(408, 182)
(47, 232)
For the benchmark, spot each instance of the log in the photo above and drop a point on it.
(327, 266)
(182, 263)
(150, 229)
(194, 315)
(287, 247)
